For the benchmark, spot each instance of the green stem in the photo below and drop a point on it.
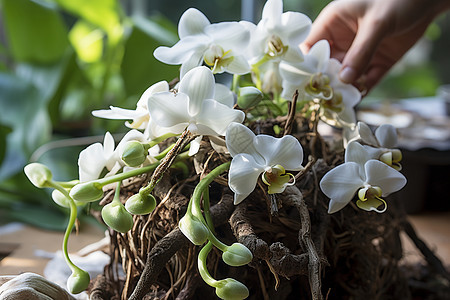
(202, 186)
(202, 268)
(70, 224)
(125, 175)
(235, 83)
(161, 138)
(206, 210)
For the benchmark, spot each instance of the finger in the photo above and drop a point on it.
(319, 29)
(364, 46)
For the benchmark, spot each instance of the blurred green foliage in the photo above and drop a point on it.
(60, 59)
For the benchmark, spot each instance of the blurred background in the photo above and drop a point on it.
(61, 59)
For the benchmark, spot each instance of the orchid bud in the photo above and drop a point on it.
(140, 204)
(60, 199)
(78, 281)
(193, 229)
(231, 289)
(135, 153)
(38, 174)
(237, 255)
(117, 217)
(249, 96)
(87, 192)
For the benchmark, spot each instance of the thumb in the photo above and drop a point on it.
(357, 59)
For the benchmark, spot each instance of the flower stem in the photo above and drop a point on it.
(70, 224)
(202, 268)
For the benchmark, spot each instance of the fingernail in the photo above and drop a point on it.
(347, 75)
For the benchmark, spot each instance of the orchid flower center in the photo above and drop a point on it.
(139, 121)
(335, 103)
(276, 47)
(319, 87)
(277, 179)
(392, 158)
(216, 58)
(369, 199)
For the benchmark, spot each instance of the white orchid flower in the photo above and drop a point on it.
(317, 77)
(140, 115)
(220, 46)
(369, 178)
(278, 35)
(194, 107)
(380, 145)
(276, 38)
(96, 157)
(262, 154)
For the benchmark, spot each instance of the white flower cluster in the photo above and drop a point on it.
(268, 55)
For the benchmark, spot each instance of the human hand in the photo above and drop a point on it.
(370, 36)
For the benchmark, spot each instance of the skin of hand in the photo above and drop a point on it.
(370, 36)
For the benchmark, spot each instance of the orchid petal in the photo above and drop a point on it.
(355, 152)
(239, 139)
(386, 135)
(340, 185)
(182, 50)
(243, 175)
(321, 53)
(374, 153)
(167, 109)
(161, 86)
(199, 85)
(239, 65)
(293, 54)
(192, 22)
(195, 145)
(117, 113)
(193, 62)
(91, 162)
(285, 151)
(224, 95)
(229, 35)
(366, 134)
(272, 11)
(217, 116)
(296, 26)
(108, 145)
(381, 175)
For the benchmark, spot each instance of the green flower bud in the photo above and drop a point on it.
(60, 199)
(38, 174)
(78, 281)
(87, 192)
(140, 204)
(117, 217)
(237, 255)
(249, 96)
(231, 289)
(194, 229)
(135, 153)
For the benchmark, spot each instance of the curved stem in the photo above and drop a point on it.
(72, 218)
(202, 268)
(202, 186)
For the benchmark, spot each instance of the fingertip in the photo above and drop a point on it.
(348, 74)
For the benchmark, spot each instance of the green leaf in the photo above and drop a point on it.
(139, 68)
(87, 41)
(4, 131)
(102, 13)
(36, 33)
(24, 110)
